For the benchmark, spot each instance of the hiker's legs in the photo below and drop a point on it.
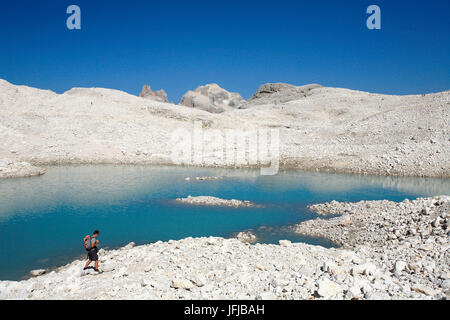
(96, 265)
(87, 264)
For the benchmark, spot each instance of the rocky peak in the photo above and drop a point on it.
(280, 93)
(211, 98)
(148, 93)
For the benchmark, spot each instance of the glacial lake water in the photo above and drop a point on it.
(44, 219)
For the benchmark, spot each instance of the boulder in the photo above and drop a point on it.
(129, 246)
(423, 289)
(285, 243)
(211, 98)
(37, 273)
(400, 266)
(148, 93)
(328, 289)
(246, 236)
(199, 280)
(182, 284)
(354, 292)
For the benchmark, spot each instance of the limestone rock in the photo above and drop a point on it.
(10, 168)
(400, 266)
(214, 201)
(182, 284)
(285, 243)
(247, 236)
(279, 93)
(37, 273)
(129, 246)
(148, 93)
(211, 98)
(328, 289)
(423, 289)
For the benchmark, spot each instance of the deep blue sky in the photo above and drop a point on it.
(178, 45)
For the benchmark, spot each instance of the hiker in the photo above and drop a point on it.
(91, 245)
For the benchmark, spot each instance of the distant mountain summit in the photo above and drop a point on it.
(148, 93)
(279, 93)
(212, 98)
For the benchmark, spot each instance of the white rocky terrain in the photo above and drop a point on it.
(389, 250)
(15, 169)
(396, 263)
(326, 129)
(410, 239)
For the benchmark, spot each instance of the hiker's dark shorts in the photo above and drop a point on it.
(92, 254)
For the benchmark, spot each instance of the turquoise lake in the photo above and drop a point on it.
(44, 219)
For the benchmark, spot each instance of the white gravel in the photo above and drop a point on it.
(409, 239)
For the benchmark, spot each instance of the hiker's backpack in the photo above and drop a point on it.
(87, 242)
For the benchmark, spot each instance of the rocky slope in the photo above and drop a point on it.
(409, 239)
(320, 128)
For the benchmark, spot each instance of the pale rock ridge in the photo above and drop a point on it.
(211, 98)
(279, 93)
(329, 130)
(410, 238)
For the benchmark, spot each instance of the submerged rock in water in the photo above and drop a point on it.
(206, 178)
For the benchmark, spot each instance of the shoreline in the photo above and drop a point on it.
(37, 168)
(218, 268)
(14, 169)
(409, 238)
